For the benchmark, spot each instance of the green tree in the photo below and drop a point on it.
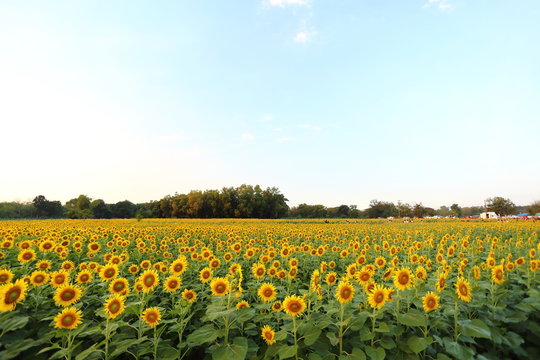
(534, 208)
(500, 206)
(79, 208)
(456, 210)
(100, 210)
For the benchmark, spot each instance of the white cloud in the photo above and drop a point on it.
(284, 139)
(441, 4)
(309, 127)
(247, 136)
(267, 118)
(301, 37)
(282, 3)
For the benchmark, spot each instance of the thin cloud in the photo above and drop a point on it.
(284, 139)
(283, 3)
(267, 118)
(247, 136)
(310, 127)
(441, 4)
(301, 37)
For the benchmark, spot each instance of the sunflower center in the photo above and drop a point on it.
(463, 290)
(118, 286)
(68, 320)
(68, 295)
(431, 303)
(220, 288)
(295, 307)
(27, 256)
(404, 279)
(379, 298)
(39, 278)
(114, 307)
(12, 295)
(151, 317)
(109, 273)
(149, 281)
(3, 278)
(365, 277)
(346, 293)
(268, 292)
(173, 283)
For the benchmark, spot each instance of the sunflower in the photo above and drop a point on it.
(59, 278)
(242, 304)
(67, 265)
(84, 276)
(268, 334)
(294, 305)
(220, 286)
(441, 282)
(39, 278)
(189, 295)
(463, 289)
(364, 276)
(151, 316)
(267, 292)
(497, 274)
(258, 270)
(44, 265)
(108, 272)
(331, 278)
(403, 279)
(47, 246)
(178, 266)
(114, 306)
(5, 276)
(344, 292)
(149, 279)
(378, 297)
(119, 286)
(68, 318)
(11, 294)
(430, 301)
(26, 256)
(205, 275)
(380, 262)
(172, 283)
(67, 295)
(133, 269)
(277, 306)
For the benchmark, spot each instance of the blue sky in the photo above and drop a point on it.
(334, 102)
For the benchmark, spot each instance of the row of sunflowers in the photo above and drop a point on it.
(237, 289)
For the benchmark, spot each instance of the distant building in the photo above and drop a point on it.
(489, 215)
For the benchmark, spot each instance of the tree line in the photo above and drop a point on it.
(245, 201)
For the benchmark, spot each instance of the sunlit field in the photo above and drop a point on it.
(235, 289)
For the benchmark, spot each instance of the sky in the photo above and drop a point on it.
(332, 101)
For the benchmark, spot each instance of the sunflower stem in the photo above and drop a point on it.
(107, 339)
(341, 329)
(294, 335)
(456, 313)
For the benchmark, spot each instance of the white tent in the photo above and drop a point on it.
(489, 215)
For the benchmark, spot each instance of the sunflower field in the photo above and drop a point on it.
(269, 289)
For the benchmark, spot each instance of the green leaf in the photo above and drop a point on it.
(475, 328)
(417, 344)
(332, 337)
(311, 334)
(13, 323)
(167, 352)
(14, 349)
(412, 318)
(375, 353)
(287, 351)
(383, 328)
(245, 315)
(235, 351)
(203, 335)
(121, 347)
(84, 354)
(359, 320)
(357, 354)
(458, 351)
